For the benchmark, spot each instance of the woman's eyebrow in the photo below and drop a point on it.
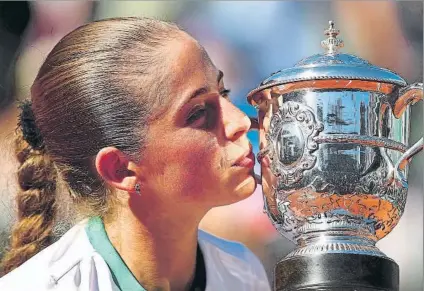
(205, 89)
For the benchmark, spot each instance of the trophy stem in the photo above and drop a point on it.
(341, 236)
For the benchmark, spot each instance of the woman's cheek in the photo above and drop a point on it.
(199, 167)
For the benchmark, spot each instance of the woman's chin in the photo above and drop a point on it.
(246, 188)
(236, 188)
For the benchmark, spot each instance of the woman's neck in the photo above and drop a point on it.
(160, 251)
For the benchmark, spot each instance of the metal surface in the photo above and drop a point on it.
(334, 153)
(331, 65)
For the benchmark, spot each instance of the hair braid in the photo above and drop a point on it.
(36, 204)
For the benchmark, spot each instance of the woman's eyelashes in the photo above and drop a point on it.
(199, 111)
(204, 115)
(225, 93)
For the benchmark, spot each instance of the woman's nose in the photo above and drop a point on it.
(236, 122)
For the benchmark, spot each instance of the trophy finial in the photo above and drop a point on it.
(332, 43)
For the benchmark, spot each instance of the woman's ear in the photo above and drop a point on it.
(113, 166)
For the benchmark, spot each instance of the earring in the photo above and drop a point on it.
(137, 189)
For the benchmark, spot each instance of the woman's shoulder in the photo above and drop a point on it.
(234, 261)
(232, 248)
(45, 269)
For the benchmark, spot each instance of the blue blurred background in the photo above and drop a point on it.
(248, 40)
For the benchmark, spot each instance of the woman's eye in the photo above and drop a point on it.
(197, 114)
(225, 93)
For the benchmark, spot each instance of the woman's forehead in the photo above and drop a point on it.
(188, 68)
(191, 65)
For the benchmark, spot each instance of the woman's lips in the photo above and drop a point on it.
(246, 162)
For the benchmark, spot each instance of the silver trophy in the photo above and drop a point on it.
(334, 155)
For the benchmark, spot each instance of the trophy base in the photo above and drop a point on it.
(337, 271)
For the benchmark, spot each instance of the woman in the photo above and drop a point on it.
(134, 118)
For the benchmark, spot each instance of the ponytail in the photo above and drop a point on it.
(37, 177)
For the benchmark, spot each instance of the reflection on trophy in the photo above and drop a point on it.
(334, 156)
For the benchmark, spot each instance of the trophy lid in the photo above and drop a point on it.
(331, 65)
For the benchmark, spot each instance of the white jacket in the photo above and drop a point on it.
(72, 264)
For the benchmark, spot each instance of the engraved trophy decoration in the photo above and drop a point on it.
(334, 157)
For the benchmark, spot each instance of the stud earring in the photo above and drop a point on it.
(137, 189)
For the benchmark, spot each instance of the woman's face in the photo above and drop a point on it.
(197, 152)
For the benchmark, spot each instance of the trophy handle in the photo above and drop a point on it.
(407, 156)
(407, 96)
